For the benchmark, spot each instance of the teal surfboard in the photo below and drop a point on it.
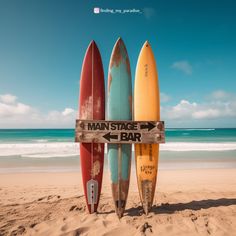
(119, 107)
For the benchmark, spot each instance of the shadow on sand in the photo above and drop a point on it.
(193, 205)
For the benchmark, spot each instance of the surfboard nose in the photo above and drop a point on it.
(93, 44)
(146, 44)
(119, 42)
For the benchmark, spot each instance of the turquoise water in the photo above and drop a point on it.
(201, 135)
(67, 135)
(36, 135)
(46, 150)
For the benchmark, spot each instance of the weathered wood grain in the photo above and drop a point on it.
(100, 131)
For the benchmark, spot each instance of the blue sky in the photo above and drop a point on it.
(42, 44)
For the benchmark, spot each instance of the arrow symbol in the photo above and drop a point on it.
(109, 136)
(148, 126)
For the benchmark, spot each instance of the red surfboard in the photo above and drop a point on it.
(92, 107)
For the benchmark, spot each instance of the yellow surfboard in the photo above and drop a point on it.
(146, 108)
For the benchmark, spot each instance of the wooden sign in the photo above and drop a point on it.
(101, 131)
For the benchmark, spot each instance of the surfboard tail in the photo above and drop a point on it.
(147, 195)
(92, 195)
(120, 207)
(146, 160)
(120, 193)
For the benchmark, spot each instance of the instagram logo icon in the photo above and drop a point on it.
(96, 10)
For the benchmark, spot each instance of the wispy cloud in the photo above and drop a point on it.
(192, 110)
(9, 106)
(222, 95)
(8, 98)
(165, 97)
(68, 111)
(217, 108)
(183, 66)
(14, 114)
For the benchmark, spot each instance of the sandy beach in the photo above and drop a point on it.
(187, 202)
(118, 86)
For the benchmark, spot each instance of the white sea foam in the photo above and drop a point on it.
(39, 169)
(40, 150)
(40, 140)
(47, 150)
(49, 155)
(187, 146)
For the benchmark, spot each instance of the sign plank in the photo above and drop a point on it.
(119, 126)
(101, 131)
(119, 137)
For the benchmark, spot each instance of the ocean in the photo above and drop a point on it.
(48, 150)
